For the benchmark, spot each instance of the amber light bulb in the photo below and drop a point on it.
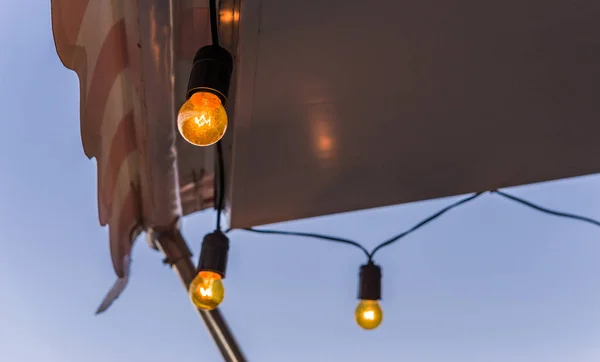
(206, 290)
(202, 120)
(368, 314)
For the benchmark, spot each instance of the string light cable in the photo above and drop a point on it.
(371, 254)
(368, 313)
(204, 123)
(214, 25)
(219, 189)
(426, 221)
(310, 235)
(423, 223)
(546, 210)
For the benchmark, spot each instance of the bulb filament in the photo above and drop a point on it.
(370, 315)
(205, 292)
(202, 121)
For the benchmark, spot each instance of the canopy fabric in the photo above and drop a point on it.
(347, 105)
(132, 60)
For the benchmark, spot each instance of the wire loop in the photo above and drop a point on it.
(423, 223)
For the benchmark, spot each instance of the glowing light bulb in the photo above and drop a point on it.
(368, 314)
(206, 290)
(202, 120)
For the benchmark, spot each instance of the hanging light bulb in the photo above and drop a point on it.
(202, 119)
(368, 313)
(206, 290)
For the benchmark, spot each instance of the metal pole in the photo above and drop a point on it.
(178, 255)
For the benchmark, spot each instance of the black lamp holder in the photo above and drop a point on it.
(213, 255)
(211, 72)
(369, 287)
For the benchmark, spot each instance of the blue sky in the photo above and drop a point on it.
(490, 281)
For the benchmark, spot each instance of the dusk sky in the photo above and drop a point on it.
(490, 281)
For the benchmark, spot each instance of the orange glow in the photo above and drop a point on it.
(368, 314)
(325, 144)
(323, 138)
(202, 120)
(227, 16)
(206, 290)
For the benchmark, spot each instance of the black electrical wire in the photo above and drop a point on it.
(220, 199)
(545, 210)
(358, 245)
(214, 28)
(311, 235)
(220, 172)
(423, 223)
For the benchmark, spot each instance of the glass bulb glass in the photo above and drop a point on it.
(206, 290)
(368, 314)
(202, 120)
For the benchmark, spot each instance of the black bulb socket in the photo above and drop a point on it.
(213, 255)
(211, 72)
(369, 287)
